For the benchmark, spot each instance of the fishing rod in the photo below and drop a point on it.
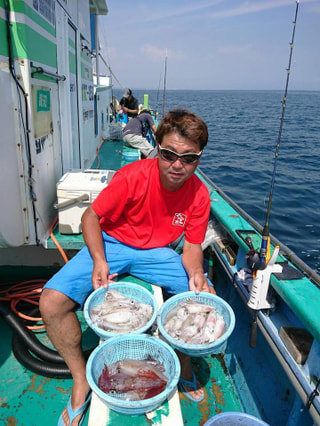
(164, 83)
(260, 263)
(265, 243)
(160, 78)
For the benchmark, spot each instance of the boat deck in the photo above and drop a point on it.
(27, 398)
(244, 379)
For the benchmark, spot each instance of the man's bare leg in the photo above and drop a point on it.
(64, 331)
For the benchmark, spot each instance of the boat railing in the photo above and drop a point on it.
(289, 254)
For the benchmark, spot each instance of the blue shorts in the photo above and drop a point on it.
(161, 266)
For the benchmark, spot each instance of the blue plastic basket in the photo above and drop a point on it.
(198, 350)
(131, 290)
(234, 418)
(138, 347)
(130, 156)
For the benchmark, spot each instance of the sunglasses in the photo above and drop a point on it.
(172, 157)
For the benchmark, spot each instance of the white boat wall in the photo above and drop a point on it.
(52, 119)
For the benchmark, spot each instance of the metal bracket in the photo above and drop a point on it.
(40, 70)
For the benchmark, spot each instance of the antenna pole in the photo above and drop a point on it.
(164, 84)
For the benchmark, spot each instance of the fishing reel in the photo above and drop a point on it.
(253, 257)
(262, 270)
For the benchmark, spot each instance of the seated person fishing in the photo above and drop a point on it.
(129, 103)
(135, 132)
(128, 229)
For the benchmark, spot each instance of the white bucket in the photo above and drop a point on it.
(235, 418)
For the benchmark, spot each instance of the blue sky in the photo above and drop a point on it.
(218, 44)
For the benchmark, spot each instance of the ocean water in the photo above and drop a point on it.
(240, 155)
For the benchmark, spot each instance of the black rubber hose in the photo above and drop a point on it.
(28, 341)
(28, 338)
(38, 366)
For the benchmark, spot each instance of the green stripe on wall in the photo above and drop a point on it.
(3, 38)
(86, 58)
(85, 68)
(72, 63)
(28, 44)
(71, 43)
(20, 6)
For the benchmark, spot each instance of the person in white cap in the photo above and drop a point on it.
(135, 132)
(129, 103)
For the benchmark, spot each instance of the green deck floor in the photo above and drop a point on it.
(27, 398)
(30, 399)
(220, 396)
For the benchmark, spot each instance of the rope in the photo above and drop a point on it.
(97, 153)
(111, 72)
(313, 394)
(28, 292)
(56, 242)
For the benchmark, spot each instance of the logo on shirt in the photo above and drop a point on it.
(179, 219)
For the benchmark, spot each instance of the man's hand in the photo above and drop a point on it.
(192, 260)
(92, 236)
(198, 283)
(100, 275)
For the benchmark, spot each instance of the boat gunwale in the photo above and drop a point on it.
(289, 254)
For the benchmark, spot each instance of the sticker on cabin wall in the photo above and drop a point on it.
(43, 100)
(87, 73)
(87, 114)
(87, 92)
(40, 143)
(41, 110)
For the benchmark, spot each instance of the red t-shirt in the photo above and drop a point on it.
(137, 210)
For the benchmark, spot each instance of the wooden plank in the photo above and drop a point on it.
(100, 415)
(298, 341)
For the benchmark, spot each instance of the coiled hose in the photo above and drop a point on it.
(25, 345)
(39, 366)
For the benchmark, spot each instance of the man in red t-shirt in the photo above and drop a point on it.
(129, 228)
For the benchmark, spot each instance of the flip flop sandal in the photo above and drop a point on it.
(183, 383)
(72, 414)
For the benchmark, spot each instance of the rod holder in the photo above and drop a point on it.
(260, 284)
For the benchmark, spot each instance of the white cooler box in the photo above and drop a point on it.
(76, 190)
